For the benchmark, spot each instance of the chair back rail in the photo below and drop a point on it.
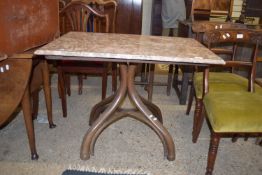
(200, 27)
(237, 36)
(84, 17)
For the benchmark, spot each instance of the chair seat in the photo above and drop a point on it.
(222, 82)
(236, 112)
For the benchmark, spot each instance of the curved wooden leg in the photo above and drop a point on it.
(214, 143)
(198, 120)
(26, 105)
(99, 107)
(153, 108)
(158, 127)
(47, 91)
(120, 95)
(119, 115)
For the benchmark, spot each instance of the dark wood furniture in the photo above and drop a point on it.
(226, 47)
(85, 16)
(135, 49)
(21, 30)
(13, 91)
(241, 114)
(197, 10)
(129, 18)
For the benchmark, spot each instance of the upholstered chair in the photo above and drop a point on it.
(232, 105)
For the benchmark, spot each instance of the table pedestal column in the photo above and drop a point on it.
(109, 111)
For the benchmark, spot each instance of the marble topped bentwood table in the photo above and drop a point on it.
(127, 50)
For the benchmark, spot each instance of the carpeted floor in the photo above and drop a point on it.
(125, 146)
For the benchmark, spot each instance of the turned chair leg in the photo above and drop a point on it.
(214, 143)
(198, 120)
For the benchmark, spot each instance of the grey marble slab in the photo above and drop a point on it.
(126, 47)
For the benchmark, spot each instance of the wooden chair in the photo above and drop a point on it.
(230, 111)
(86, 16)
(225, 47)
(219, 10)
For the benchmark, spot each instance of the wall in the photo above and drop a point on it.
(146, 18)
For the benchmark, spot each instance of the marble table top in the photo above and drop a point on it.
(128, 48)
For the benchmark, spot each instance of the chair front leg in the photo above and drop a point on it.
(214, 143)
(62, 90)
(190, 100)
(198, 120)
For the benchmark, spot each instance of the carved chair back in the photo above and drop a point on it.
(85, 17)
(200, 27)
(252, 38)
(226, 49)
(107, 6)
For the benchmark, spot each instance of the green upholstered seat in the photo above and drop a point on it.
(236, 112)
(222, 82)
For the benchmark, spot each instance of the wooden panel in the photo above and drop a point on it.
(27, 23)
(129, 17)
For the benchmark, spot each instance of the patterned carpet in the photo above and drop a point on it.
(125, 146)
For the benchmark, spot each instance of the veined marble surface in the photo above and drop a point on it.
(83, 45)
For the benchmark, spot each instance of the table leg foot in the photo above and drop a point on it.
(34, 156)
(52, 125)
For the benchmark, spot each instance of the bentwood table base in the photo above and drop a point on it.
(109, 111)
